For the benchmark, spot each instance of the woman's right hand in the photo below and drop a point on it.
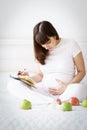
(22, 73)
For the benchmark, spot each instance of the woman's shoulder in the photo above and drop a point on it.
(69, 41)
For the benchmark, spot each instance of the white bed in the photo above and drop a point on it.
(41, 117)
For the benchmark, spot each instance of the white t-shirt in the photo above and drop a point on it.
(59, 63)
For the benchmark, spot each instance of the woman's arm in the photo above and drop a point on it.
(38, 77)
(80, 66)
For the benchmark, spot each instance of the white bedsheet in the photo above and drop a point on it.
(41, 117)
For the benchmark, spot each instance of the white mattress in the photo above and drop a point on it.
(41, 117)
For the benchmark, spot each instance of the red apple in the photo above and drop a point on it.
(58, 101)
(74, 101)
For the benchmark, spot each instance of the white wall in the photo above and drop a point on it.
(18, 17)
(17, 55)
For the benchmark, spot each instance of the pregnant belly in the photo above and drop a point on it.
(50, 80)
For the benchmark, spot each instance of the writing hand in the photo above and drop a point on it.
(22, 73)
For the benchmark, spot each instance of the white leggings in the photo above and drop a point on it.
(23, 91)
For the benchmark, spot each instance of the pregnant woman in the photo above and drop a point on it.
(60, 65)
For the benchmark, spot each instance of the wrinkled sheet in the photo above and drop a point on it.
(41, 117)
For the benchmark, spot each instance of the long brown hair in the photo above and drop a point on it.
(41, 33)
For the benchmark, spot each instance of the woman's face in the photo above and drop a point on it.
(52, 42)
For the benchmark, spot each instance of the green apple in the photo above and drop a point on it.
(84, 103)
(66, 106)
(25, 104)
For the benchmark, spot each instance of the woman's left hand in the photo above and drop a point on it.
(58, 90)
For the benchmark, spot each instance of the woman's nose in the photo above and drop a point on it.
(46, 46)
